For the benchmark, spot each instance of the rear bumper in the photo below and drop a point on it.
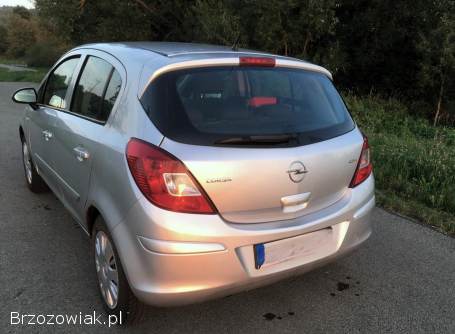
(176, 259)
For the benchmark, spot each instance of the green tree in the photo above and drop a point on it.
(303, 29)
(102, 20)
(59, 17)
(21, 35)
(214, 22)
(379, 39)
(3, 39)
(291, 27)
(22, 12)
(437, 67)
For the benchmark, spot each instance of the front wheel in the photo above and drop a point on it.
(34, 181)
(118, 299)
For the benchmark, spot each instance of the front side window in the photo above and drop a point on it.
(58, 82)
(96, 90)
(208, 106)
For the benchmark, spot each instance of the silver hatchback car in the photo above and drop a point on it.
(198, 171)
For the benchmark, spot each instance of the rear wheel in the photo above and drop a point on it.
(118, 299)
(34, 181)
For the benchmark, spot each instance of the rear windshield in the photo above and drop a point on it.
(221, 105)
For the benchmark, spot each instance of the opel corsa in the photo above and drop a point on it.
(198, 171)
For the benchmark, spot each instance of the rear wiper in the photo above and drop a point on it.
(258, 140)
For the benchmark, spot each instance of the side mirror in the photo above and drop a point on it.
(26, 96)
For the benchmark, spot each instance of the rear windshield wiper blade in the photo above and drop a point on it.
(258, 140)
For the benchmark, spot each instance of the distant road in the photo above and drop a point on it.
(401, 281)
(17, 68)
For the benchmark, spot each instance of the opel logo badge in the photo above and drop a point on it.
(297, 171)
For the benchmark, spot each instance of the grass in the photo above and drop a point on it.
(414, 162)
(23, 76)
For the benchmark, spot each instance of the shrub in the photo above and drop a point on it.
(3, 39)
(21, 34)
(413, 160)
(43, 54)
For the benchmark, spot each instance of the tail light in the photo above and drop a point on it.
(259, 101)
(364, 166)
(257, 61)
(164, 180)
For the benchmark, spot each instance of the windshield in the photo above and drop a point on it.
(233, 105)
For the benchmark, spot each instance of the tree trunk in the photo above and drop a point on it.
(438, 108)
(306, 44)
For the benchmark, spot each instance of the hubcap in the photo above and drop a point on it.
(27, 163)
(106, 268)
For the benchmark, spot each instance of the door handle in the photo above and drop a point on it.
(81, 153)
(47, 135)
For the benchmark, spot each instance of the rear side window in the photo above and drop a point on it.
(58, 82)
(208, 105)
(96, 89)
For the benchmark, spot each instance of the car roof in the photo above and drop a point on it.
(174, 49)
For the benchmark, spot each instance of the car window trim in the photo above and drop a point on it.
(106, 86)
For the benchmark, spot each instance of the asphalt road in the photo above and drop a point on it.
(401, 281)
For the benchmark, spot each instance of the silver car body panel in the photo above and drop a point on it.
(174, 258)
(176, 279)
(258, 180)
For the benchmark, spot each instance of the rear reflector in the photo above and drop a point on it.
(257, 61)
(364, 166)
(164, 180)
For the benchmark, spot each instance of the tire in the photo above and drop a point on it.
(34, 181)
(126, 303)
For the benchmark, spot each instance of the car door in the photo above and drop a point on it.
(79, 130)
(53, 97)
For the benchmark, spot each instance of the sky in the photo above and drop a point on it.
(25, 3)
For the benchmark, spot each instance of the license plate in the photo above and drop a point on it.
(311, 245)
